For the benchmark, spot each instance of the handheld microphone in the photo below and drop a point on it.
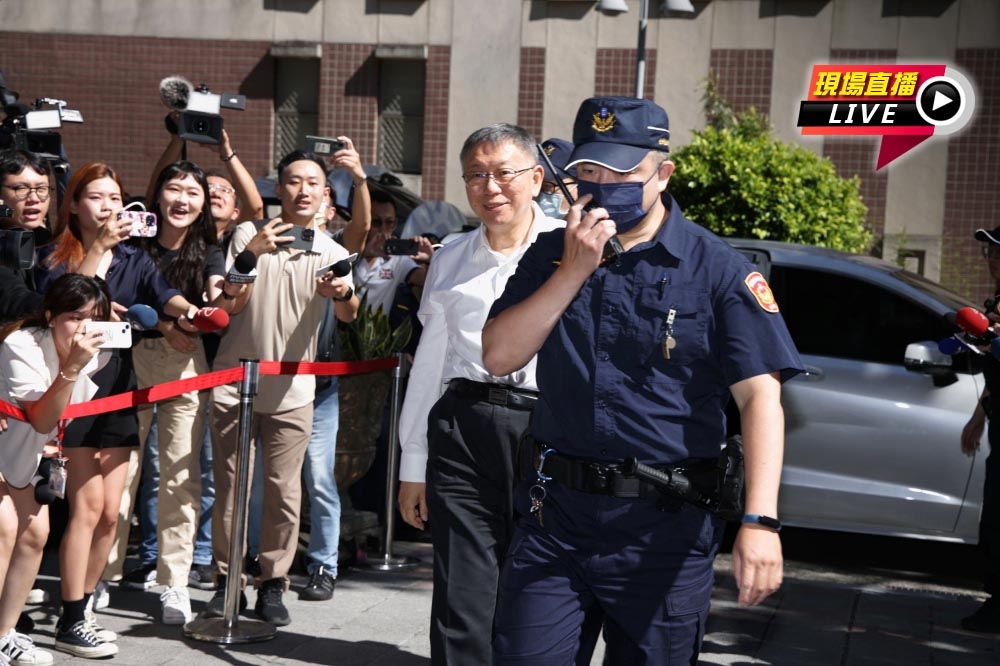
(210, 320)
(174, 92)
(244, 269)
(141, 317)
(951, 346)
(974, 323)
(342, 268)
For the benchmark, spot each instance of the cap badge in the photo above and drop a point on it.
(604, 120)
(549, 150)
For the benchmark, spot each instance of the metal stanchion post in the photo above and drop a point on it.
(387, 561)
(230, 628)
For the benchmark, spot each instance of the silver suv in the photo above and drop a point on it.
(872, 429)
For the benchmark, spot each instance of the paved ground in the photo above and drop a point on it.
(818, 617)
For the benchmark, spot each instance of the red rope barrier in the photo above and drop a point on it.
(209, 380)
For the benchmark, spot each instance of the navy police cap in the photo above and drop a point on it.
(617, 132)
(558, 152)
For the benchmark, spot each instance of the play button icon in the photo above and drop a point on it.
(940, 101)
(946, 102)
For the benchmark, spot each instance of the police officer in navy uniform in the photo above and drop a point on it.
(638, 354)
(987, 617)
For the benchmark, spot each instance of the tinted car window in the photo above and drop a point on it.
(838, 316)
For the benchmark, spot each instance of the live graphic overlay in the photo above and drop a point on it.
(905, 104)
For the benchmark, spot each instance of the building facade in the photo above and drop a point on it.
(408, 80)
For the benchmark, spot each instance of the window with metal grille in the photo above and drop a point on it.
(401, 115)
(296, 103)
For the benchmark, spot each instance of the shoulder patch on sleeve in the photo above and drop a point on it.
(758, 286)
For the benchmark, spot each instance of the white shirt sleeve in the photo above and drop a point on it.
(424, 387)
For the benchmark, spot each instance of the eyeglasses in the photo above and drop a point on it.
(991, 251)
(221, 189)
(21, 191)
(501, 176)
(552, 187)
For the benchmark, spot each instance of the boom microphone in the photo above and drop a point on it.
(244, 269)
(141, 317)
(174, 92)
(974, 323)
(210, 320)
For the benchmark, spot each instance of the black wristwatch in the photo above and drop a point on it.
(766, 521)
(346, 297)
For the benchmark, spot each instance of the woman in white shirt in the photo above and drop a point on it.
(46, 362)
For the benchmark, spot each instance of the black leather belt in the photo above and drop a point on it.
(495, 394)
(598, 478)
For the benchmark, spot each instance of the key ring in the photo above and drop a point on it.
(541, 463)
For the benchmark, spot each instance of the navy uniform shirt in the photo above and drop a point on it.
(607, 392)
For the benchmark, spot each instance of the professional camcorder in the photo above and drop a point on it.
(32, 127)
(17, 246)
(200, 120)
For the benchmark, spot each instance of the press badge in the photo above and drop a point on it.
(57, 477)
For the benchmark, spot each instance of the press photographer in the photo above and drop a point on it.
(25, 193)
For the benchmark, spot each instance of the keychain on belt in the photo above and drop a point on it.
(57, 477)
(537, 492)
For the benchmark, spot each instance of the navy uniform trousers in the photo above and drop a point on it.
(989, 520)
(646, 573)
(470, 451)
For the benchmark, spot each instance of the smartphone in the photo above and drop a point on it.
(117, 334)
(403, 246)
(320, 272)
(323, 146)
(143, 223)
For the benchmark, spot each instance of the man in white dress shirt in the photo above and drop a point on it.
(460, 425)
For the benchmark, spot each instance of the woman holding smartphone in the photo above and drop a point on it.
(187, 253)
(89, 235)
(47, 360)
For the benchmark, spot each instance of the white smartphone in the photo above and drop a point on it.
(117, 334)
(320, 272)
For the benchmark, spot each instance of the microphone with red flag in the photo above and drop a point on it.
(210, 320)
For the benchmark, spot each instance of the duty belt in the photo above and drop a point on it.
(495, 394)
(599, 478)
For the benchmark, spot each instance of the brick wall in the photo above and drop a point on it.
(349, 96)
(114, 83)
(744, 77)
(856, 155)
(972, 195)
(435, 159)
(615, 73)
(531, 91)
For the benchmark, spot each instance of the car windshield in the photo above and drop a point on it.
(949, 298)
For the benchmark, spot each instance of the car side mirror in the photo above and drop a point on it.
(925, 358)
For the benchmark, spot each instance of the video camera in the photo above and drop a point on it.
(200, 120)
(17, 246)
(31, 127)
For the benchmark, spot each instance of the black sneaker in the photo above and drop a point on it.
(216, 606)
(986, 619)
(142, 577)
(320, 587)
(201, 577)
(79, 640)
(269, 606)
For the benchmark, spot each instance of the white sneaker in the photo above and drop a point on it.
(37, 596)
(176, 606)
(102, 595)
(105, 635)
(20, 649)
